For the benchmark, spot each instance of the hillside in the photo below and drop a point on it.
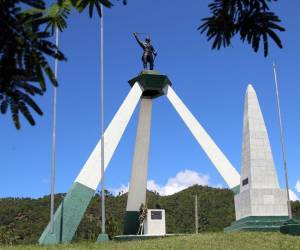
(26, 218)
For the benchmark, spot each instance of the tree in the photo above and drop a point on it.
(112, 227)
(251, 19)
(8, 235)
(24, 47)
(23, 50)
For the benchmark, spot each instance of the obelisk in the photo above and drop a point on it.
(260, 204)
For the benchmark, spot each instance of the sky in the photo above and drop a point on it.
(211, 83)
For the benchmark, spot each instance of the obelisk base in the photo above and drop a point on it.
(258, 223)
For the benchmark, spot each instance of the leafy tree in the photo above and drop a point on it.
(296, 210)
(8, 235)
(251, 19)
(23, 65)
(24, 47)
(203, 222)
(111, 227)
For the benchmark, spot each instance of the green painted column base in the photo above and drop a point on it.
(258, 223)
(291, 227)
(68, 215)
(102, 238)
(236, 189)
(131, 223)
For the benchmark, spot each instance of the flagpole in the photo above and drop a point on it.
(53, 141)
(282, 144)
(102, 123)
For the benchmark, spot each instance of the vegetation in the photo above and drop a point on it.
(206, 241)
(251, 19)
(25, 44)
(26, 218)
(25, 41)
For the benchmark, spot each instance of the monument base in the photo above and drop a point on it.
(291, 227)
(131, 223)
(137, 237)
(258, 223)
(143, 237)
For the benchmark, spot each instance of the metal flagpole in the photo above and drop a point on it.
(102, 124)
(53, 142)
(196, 214)
(282, 144)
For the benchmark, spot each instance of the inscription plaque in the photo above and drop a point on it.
(156, 215)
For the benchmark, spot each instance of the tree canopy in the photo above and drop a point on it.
(251, 19)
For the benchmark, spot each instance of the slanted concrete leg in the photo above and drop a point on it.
(139, 172)
(214, 153)
(68, 216)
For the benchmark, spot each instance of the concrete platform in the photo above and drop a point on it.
(258, 223)
(291, 227)
(142, 237)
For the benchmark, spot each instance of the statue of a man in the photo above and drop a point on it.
(149, 52)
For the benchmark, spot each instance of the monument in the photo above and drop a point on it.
(145, 87)
(260, 204)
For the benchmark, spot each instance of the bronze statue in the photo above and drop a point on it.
(149, 52)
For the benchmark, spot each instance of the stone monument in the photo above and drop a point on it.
(260, 203)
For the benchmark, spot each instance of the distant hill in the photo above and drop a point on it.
(26, 218)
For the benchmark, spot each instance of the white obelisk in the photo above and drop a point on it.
(260, 194)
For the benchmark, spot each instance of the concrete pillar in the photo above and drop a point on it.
(139, 171)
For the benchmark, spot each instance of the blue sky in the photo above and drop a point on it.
(211, 83)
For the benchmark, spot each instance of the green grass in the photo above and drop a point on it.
(232, 241)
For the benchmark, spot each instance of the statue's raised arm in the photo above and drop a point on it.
(138, 40)
(149, 51)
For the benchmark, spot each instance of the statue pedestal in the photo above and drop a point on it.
(153, 85)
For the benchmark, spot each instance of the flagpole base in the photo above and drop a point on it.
(102, 238)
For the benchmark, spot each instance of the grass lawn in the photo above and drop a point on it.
(205, 241)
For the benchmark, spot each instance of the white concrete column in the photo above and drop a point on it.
(139, 171)
(90, 174)
(214, 153)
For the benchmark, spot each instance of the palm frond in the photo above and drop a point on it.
(250, 18)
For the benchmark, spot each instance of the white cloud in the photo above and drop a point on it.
(182, 180)
(120, 190)
(293, 196)
(298, 186)
(218, 186)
